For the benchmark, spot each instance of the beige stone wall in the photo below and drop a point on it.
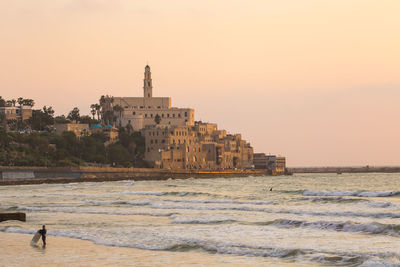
(79, 129)
(143, 102)
(194, 147)
(18, 113)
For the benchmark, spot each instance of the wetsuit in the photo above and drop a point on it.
(43, 233)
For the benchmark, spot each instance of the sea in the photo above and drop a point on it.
(303, 219)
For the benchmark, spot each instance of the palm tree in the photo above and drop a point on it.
(93, 111)
(20, 100)
(28, 102)
(118, 108)
(2, 102)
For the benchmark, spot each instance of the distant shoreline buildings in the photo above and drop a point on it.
(172, 138)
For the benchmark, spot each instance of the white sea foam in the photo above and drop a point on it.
(288, 211)
(368, 228)
(350, 193)
(91, 211)
(119, 202)
(205, 201)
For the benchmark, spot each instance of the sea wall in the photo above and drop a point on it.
(36, 175)
(363, 169)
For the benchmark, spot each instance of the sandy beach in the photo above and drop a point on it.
(60, 251)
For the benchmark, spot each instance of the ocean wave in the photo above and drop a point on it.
(368, 228)
(119, 202)
(184, 245)
(206, 201)
(334, 200)
(87, 211)
(339, 193)
(288, 211)
(373, 228)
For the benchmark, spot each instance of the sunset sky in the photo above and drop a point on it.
(317, 81)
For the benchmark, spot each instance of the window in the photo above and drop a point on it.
(134, 113)
(151, 115)
(173, 115)
(167, 115)
(158, 107)
(185, 113)
(145, 115)
(162, 115)
(179, 115)
(151, 141)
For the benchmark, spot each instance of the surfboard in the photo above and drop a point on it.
(35, 238)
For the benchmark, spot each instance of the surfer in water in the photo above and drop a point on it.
(43, 232)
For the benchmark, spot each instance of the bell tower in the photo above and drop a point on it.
(148, 86)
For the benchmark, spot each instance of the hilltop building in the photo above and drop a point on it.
(201, 146)
(79, 129)
(18, 113)
(140, 112)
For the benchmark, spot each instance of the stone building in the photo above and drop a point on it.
(140, 112)
(79, 129)
(275, 164)
(18, 113)
(200, 146)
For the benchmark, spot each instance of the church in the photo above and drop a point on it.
(140, 112)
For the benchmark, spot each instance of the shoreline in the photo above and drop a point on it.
(65, 251)
(40, 175)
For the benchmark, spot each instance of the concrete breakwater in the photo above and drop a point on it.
(37, 175)
(363, 169)
(18, 216)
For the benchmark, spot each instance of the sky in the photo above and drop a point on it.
(315, 81)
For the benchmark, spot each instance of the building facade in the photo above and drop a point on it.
(275, 164)
(17, 113)
(198, 147)
(79, 129)
(140, 112)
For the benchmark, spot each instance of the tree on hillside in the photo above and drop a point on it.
(28, 102)
(74, 115)
(12, 124)
(2, 102)
(41, 119)
(93, 110)
(119, 109)
(108, 117)
(20, 100)
(61, 119)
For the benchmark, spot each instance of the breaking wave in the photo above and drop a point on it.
(351, 193)
(88, 211)
(279, 211)
(184, 245)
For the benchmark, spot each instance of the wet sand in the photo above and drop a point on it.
(16, 251)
